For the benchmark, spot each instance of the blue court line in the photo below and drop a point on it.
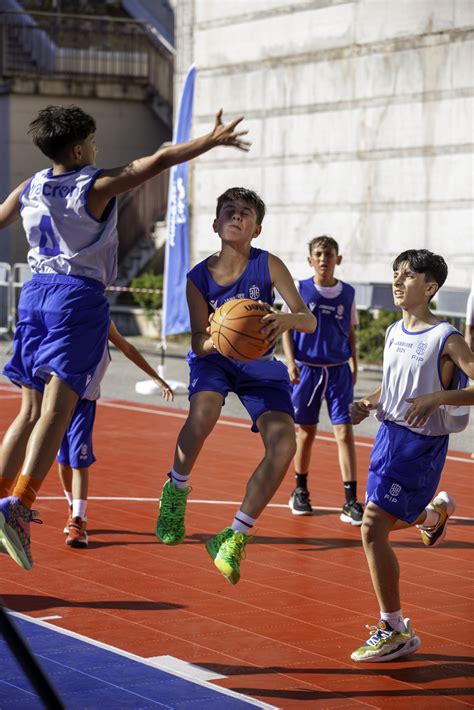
(89, 675)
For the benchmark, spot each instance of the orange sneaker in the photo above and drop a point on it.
(77, 534)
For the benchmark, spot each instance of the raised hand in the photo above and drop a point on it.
(225, 134)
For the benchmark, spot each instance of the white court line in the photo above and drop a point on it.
(327, 509)
(240, 425)
(144, 661)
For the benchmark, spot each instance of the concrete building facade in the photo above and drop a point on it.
(360, 117)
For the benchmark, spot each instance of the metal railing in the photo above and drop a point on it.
(42, 44)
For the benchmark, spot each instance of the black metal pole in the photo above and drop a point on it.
(27, 661)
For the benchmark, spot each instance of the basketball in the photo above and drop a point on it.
(235, 329)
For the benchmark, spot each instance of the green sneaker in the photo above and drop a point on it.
(170, 524)
(227, 549)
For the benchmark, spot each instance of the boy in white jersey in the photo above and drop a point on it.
(420, 402)
(76, 453)
(69, 213)
(323, 365)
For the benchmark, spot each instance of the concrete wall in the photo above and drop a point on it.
(125, 130)
(360, 115)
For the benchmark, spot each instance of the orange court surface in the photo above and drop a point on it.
(284, 634)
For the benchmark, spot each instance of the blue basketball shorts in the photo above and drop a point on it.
(261, 385)
(76, 447)
(404, 470)
(62, 329)
(334, 384)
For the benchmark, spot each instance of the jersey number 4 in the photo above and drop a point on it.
(48, 245)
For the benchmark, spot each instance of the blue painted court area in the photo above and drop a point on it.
(88, 676)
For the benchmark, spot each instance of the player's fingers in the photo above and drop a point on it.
(235, 123)
(219, 117)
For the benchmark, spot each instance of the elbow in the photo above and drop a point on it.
(312, 323)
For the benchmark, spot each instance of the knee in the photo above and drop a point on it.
(343, 433)
(282, 445)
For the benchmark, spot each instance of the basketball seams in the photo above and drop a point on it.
(247, 344)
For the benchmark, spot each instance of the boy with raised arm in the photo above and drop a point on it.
(421, 401)
(237, 270)
(69, 214)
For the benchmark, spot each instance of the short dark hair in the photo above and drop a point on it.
(58, 128)
(324, 241)
(424, 262)
(243, 195)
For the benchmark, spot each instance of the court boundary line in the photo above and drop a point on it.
(140, 659)
(132, 499)
(241, 425)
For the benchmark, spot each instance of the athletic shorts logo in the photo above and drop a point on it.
(84, 451)
(194, 382)
(395, 489)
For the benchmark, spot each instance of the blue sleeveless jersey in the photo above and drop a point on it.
(63, 236)
(255, 282)
(329, 344)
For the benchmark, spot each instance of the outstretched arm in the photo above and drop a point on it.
(10, 209)
(113, 182)
(137, 358)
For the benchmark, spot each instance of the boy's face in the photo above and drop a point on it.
(85, 153)
(237, 222)
(324, 259)
(410, 288)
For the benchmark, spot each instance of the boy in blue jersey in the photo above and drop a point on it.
(323, 365)
(76, 452)
(237, 270)
(421, 401)
(69, 214)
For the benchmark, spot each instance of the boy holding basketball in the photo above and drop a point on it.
(69, 213)
(237, 270)
(420, 402)
(323, 365)
(76, 453)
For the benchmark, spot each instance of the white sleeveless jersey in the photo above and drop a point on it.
(64, 237)
(92, 390)
(411, 368)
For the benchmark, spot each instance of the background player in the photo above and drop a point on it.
(425, 365)
(237, 270)
(323, 365)
(69, 213)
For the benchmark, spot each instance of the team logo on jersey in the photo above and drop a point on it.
(84, 451)
(254, 292)
(311, 306)
(392, 340)
(340, 309)
(213, 304)
(421, 348)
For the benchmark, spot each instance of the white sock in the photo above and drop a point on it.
(394, 618)
(243, 523)
(79, 508)
(180, 480)
(68, 495)
(431, 519)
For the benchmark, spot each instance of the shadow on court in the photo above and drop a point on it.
(32, 602)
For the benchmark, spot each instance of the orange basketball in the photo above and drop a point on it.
(235, 329)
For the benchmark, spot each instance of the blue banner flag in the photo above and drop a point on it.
(175, 318)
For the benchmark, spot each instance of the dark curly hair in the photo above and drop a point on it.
(243, 195)
(57, 128)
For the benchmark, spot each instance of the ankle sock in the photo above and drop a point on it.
(26, 489)
(5, 487)
(79, 508)
(302, 480)
(431, 519)
(180, 480)
(350, 491)
(394, 618)
(243, 523)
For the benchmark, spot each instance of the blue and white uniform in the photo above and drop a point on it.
(406, 462)
(323, 356)
(262, 385)
(76, 448)
(63, 315)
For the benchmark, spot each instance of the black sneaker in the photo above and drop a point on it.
(300, 503)
(352, 513)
